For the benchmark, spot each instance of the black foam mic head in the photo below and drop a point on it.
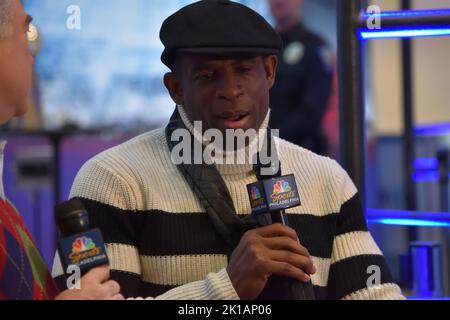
(71, 217)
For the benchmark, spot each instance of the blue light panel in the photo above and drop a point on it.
(410, 13)
(433, 130)
(426, 176)
(426, 164)
(408, 218)
(404, 33)
(410, 222)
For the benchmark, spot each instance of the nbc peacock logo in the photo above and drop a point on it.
(82, 244)
(282, 192)
(256, 194)
(281, 186)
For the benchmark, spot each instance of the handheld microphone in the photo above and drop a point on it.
(269, 199)
(79, 245)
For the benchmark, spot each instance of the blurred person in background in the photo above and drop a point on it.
(23, 273)
(301, 94)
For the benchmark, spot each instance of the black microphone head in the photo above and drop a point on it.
(71, 217)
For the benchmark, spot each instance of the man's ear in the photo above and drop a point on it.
(270, 66)
(173, 85)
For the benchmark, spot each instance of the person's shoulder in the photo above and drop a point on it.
(149, 139)
(325, 177)
(9, 214)
(298, 151)
(316, 48)
(11, 219)
(311, 37)
(304, 159)
(115, 176)
(141, 148)
(128, 162)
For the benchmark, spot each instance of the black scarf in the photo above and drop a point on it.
(208, 185)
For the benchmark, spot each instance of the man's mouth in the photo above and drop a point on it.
(234, 120)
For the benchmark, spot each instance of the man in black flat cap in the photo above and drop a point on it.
(183, 229)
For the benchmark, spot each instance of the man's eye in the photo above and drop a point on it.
(244, 69)
(206, 76)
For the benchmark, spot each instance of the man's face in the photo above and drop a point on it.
(223, 93)
(284, 8)
(16, 64)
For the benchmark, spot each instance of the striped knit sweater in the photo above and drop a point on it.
(162, 245)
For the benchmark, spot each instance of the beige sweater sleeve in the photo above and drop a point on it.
(96, 182)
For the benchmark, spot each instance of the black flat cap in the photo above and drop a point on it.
(218, 27)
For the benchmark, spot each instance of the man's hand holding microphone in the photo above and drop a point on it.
(83, 249)
(266, 251)
(269, 262)
(95, 285)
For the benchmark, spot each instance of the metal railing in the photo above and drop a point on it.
(353, 32)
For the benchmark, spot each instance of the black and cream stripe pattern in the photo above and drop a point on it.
(162, 245)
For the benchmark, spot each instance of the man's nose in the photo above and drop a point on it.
(230, 87)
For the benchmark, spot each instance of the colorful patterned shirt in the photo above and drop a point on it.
(23, 273)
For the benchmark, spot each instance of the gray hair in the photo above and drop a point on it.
(6, 13)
